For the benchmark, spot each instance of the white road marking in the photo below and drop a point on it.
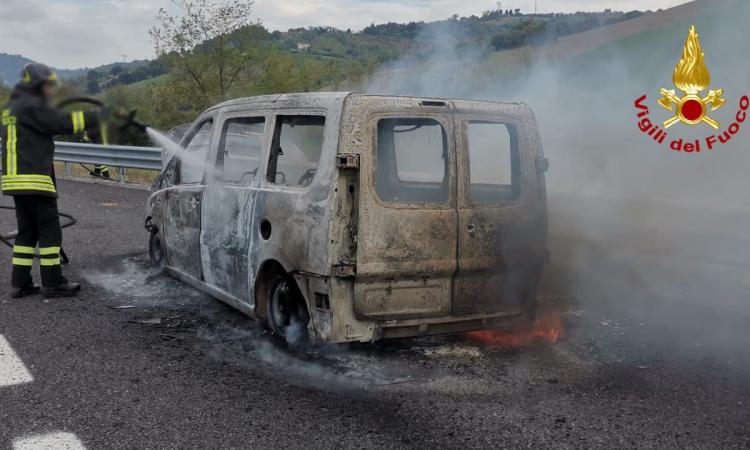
(52, 441)
(12, 369)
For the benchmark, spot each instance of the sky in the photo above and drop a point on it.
(88, 33)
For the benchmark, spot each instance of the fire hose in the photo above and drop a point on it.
(8, 238)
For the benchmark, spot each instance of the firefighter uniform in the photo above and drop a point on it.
(29, 125)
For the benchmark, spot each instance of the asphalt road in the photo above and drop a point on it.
(139, 362)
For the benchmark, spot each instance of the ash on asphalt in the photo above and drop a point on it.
(178, 313)
(547, 385)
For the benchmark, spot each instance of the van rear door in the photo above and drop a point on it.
(501, 219)
(406, 251)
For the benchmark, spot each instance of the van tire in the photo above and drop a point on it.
(156, 251)
(287, 312)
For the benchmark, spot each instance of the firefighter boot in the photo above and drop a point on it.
(21, 292)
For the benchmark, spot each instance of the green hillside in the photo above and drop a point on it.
(649, 56)
(10, 67)
(370, 47)
(495, 50)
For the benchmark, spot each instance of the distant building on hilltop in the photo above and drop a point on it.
(302, 46)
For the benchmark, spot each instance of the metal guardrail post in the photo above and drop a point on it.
(123, 179)
(68, 170)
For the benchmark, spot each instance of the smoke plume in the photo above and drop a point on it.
(638, 230)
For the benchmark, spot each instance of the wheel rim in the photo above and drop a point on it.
(281, 310)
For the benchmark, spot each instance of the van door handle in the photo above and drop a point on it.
(471, 228)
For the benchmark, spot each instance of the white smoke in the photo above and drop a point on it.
(637, 229)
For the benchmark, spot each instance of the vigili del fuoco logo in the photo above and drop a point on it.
(691, 107)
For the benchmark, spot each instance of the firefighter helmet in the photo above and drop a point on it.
(36, 74)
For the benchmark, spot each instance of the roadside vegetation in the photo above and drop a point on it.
(209, 53)
(4, 94)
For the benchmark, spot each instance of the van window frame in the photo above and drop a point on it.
(267, 116)
(272, 127)
(464, 195)
(186, 141)
(446, 122)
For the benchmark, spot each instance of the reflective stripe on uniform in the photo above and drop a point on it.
(12, 159)
(27, 187)
(10, 181)
(42, 183)
(79, 123)
(74, 118)
(49, 251)
(23, 249)
(46, 179)
(104, 134)
(10, 154)
(49, 256)
(27, 262)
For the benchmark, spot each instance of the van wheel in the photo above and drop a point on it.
(287, 312)
(156, 251)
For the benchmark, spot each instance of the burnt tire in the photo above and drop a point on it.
(156, 251)
(287, 312)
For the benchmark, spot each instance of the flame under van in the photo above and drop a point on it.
(358, 217)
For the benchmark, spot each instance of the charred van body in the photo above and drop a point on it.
(358, 217)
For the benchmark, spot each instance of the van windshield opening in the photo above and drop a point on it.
(413, 165)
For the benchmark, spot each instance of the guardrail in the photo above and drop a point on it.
(121, 156)
(148, 158)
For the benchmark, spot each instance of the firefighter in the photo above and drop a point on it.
(29, 125)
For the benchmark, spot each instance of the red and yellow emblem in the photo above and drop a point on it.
(692, 77)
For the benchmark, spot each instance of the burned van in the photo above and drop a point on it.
(358, 217)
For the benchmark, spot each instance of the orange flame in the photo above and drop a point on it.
(547, 328)
(691, 74)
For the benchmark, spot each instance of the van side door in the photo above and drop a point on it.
(501, 217)
(182, 221)
(228, 203)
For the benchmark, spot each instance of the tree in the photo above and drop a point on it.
(526, 32)
(209, 47)
(92, 82)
